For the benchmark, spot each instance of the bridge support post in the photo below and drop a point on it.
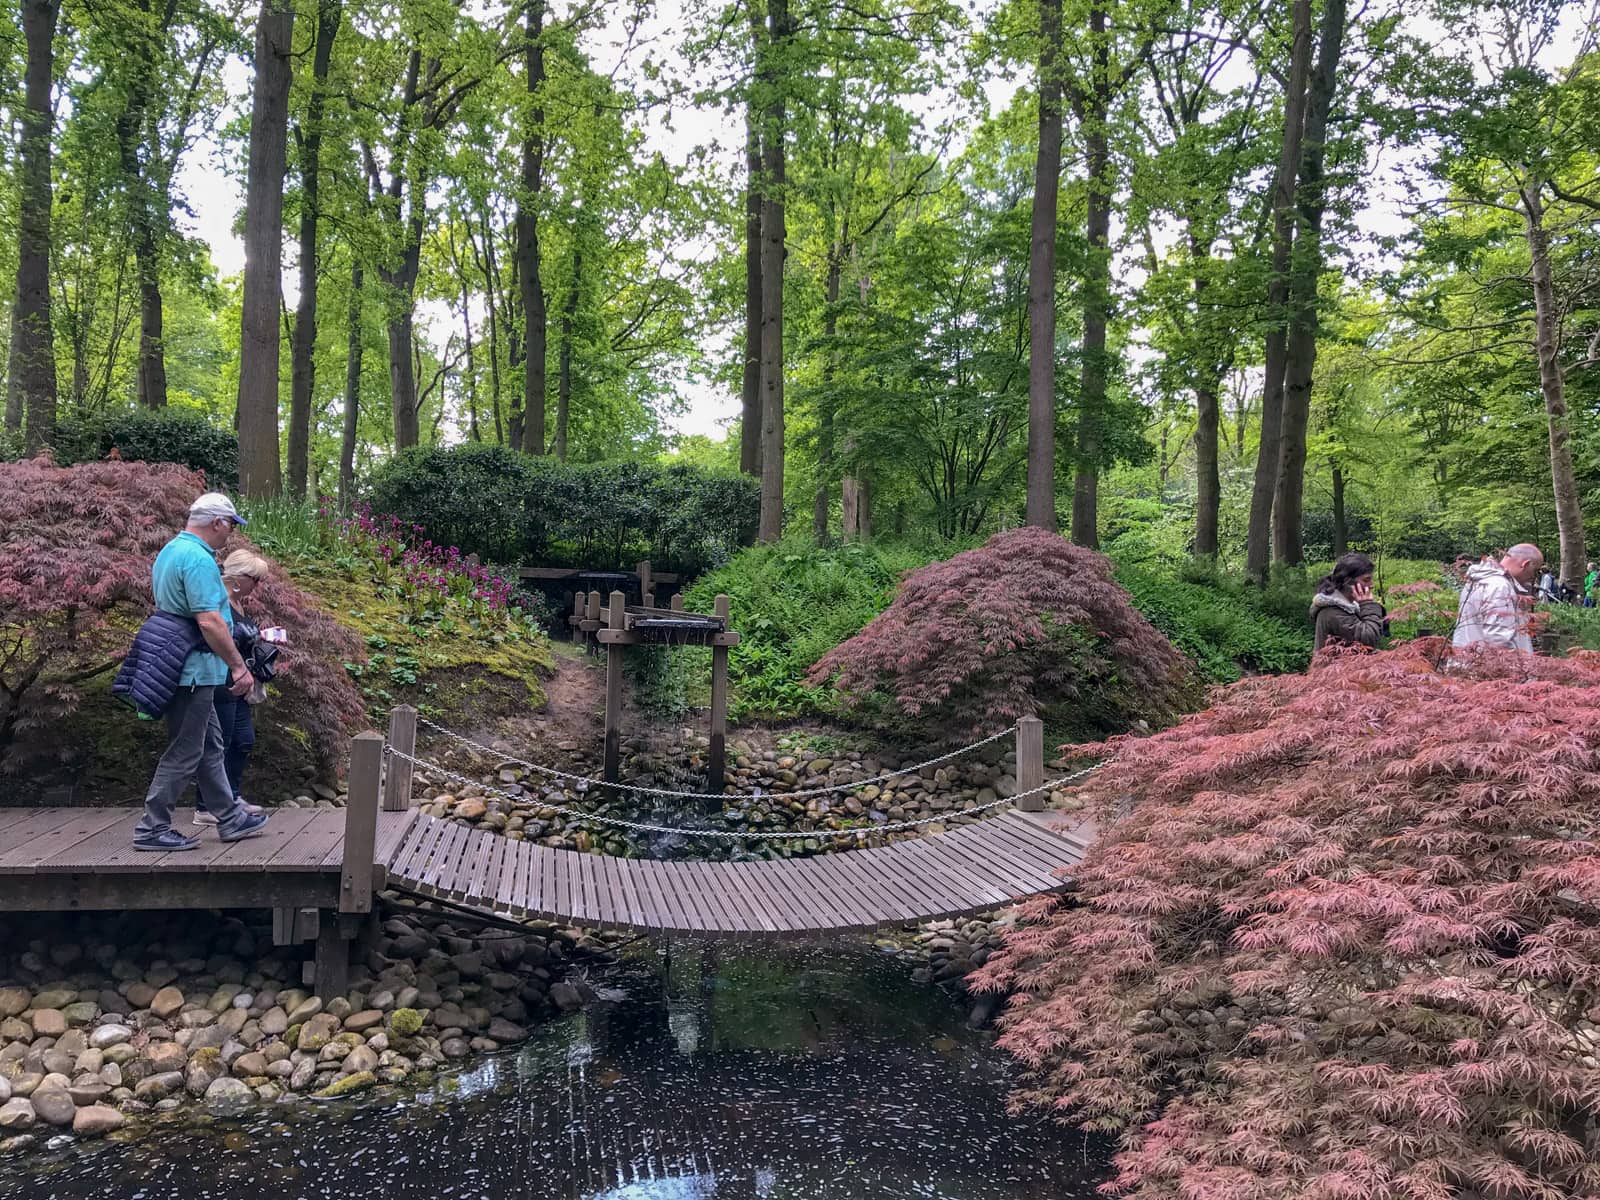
(616, 619)
(397, 771)
(716, 768)
(1030, 763)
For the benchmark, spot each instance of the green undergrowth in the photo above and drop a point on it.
(792, 602)
(449, 658)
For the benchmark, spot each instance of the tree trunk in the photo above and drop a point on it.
(152, 353)
(569, 315)
(1547, 322)
(1258, 542)
(259, 329)
(403, 380)
(491, 291)
(527, 221)
(352, 392)
(1341, 526)
(1305, 271)
(1208, 485)
(772, 253)
(822, 501)
(1094, 117)
(1041, 496)
(750, 392)
(32, 385)
(303, 343)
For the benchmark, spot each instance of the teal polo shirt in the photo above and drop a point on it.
(187, 582)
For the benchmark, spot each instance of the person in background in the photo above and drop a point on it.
(1497, 601)
(1344, 612)
(188, 586)
(1590, 582)
(242, 573)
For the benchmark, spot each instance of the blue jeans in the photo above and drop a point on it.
(238, 724)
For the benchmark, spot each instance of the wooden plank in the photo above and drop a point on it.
(859, 873)
(584, 893)
(667, 912)
(785, 901)
(698, 908)
(849, 910)
(501, 867)
(714, 900)
(768, 914)
(963, 873)
(1047, 861)
(413, 857)
(513, 872)
(442, 859)
(392, 830)
(560, 890)
(55, 837)
(1024, 829)
(1022, 868)
(80, 841)
(323, 834)
(731, 891)
(899, 896)
(111, 850)
(537, 881)
(16, 834)
(132, 891)
(485, 868)
(928, 889)
(476, 858)
(620, 876)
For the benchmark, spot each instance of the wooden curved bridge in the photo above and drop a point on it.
(988, 864)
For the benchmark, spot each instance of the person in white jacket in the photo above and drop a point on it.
(1497, 603)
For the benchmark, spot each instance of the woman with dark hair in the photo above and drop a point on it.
(1343, 611)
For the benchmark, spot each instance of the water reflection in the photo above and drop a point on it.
(814, 1075)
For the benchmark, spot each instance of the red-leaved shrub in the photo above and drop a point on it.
(76, 544)
(1342, 941)
(1028, 624)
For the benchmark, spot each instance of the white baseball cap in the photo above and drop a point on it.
(213, 505)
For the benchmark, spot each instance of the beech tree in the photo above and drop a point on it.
(31, 389)
(260, 473)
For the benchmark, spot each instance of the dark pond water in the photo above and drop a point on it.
(811, 1074)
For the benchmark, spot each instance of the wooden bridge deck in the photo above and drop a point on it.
(56, 859)
(986, 865)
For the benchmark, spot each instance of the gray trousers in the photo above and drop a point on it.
(194, 752)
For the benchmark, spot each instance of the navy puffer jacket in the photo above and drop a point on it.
(149, 676)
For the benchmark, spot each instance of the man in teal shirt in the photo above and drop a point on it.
(188, 584)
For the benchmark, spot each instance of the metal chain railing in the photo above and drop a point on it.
(732, 834)
(799, 794)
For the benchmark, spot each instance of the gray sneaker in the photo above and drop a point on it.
(202, 817)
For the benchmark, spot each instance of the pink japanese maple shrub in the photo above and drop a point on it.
(1339, 939)
(76, 545)
(1027, 624)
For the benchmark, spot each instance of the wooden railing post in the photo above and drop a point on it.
(361, 823)
(396, 770)
(578, 601)
(716, 767)
(1030, 763)
(646, 586)
(615, 619)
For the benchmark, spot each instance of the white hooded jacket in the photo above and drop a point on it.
(1491, 611)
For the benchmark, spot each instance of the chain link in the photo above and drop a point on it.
(731, 834)
(801, 794)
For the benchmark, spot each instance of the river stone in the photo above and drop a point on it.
(14, 1001)
(55, 998)
(565, 997)
(228, 1094)
(338, 1007)
(274, 1022)
(49, 1022)
(362, 1021)
(57, 1063)
(54, 1105)
(233, 1021)
(108, 1036)
(89, 1089)
(165, 1056)
(506, 1033)
(304, 1073)
(96, 1119)
(359, 1082)
(204, 1070)
(14, 1029)
(26, 1083)
(82, 1013)
(305, 1010)
(112, 1074)
(167, 1003)
(159, 1086)
(17, 1114)
(90, 1061)
(139, 994)
(456, 1047)
(248, 1066)
(212, 1037)
(5, 1089)
(317, 1032)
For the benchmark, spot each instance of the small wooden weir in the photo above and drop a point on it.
(617, 625)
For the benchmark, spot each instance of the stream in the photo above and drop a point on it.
(808, 1072)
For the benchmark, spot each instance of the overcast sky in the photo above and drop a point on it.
(216, 197)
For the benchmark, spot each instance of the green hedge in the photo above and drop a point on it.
(158, 435)
(508, 507)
